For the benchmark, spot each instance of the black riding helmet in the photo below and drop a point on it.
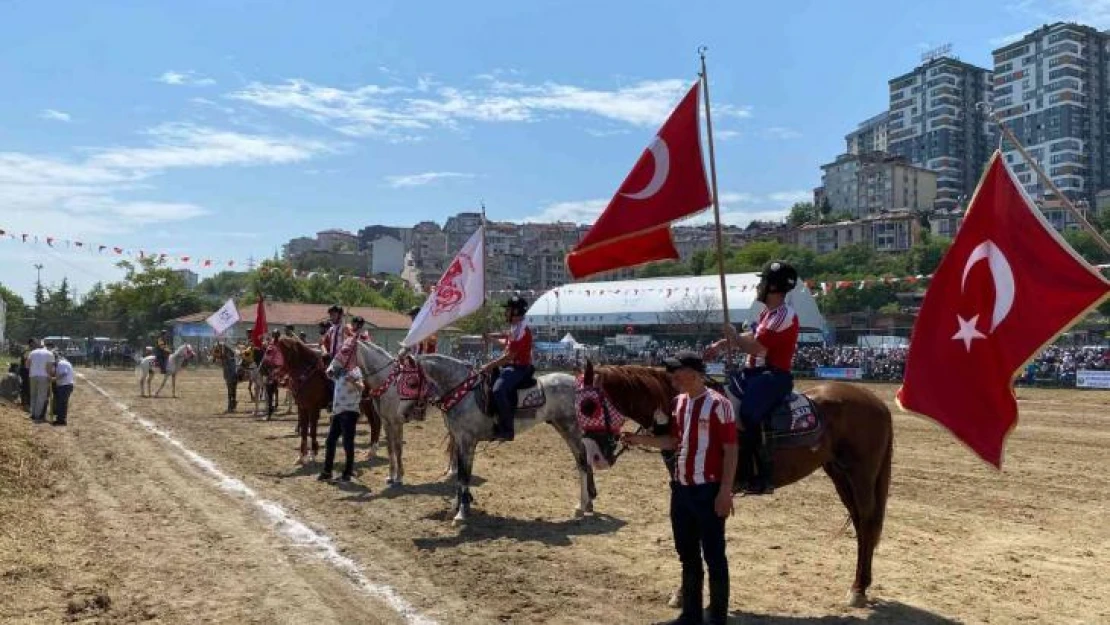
(336, 308)
(414, 311)
(358, 322)
(778, 276)
(516, 305)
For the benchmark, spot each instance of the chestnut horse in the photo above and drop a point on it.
(855, 449)
(312, 390)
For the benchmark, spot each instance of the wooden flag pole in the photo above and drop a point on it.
(485, 284)
(716, 204)
(1079, 218)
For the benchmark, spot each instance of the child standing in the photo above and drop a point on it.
(348, 394)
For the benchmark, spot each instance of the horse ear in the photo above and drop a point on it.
(588, 374)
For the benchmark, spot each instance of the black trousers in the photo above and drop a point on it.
(271, 397)
(699, 532)
(232, 383)
(61, 402)
(343, 424)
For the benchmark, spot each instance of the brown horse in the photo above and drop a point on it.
(312, 392)
(855, 449)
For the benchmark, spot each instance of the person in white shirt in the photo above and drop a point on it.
(40, 362)
(63, 388)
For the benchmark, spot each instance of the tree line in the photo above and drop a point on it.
(150, 294)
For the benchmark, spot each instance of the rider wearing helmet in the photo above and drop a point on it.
(516, 366)
(428, 345)
(358, 328)
(765, 381)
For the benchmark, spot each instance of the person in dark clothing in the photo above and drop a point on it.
(25, 376)
(231, 376)
(271, 378)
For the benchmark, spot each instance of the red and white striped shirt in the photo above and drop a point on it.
(701, 426)
(777, 332)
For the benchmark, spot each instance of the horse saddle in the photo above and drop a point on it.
(529, 394)
(796, 422)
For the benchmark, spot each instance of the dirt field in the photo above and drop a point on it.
(105, 521)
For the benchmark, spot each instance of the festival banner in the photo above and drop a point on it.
(1090, 378)
(224, 318)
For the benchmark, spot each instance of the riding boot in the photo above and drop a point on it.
(718, 601)
(763, 482)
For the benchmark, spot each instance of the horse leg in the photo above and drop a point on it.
(314, 421)
(452, 469)
(864, 492)
(375, 419)
(464, 460)
(161, 386)
(173, 385)
(394, 431)
(573, 438)
(302, 429)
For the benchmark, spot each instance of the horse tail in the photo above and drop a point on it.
(588, 374)
(882, 486)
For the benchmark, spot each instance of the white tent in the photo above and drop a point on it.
(661, 301)
(569, 340)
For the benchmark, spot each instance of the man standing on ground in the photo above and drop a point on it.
(39, 363)
(703, 432)
(63, 388)
(25, 376)
(345, 411)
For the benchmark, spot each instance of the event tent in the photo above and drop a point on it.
(661, 301)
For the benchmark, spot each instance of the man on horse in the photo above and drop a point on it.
(290, 330)
(336, 334)
(765, 381)
(428, 345)
(516, 366)
(162, 351)
(358, 329)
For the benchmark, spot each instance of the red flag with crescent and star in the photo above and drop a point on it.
(667, 184)
(1008, 286)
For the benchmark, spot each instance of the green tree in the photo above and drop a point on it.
(19, 315)
(802, 213)
(223, 285)
(149, 295)
(488, 318)
(1086, 246)
(925, 257)
(275, 281)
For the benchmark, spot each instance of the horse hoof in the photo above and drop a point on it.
(675, 600)
(579, 513)
(458, 521)
(857, 599)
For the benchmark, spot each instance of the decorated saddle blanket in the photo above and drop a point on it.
(796, 422)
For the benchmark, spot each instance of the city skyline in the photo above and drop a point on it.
(196, 147)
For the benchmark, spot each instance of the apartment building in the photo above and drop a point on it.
(869, 136)
(889, 231)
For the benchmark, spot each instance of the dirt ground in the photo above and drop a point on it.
(106, 522)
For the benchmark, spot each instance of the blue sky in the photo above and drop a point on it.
(218, 129)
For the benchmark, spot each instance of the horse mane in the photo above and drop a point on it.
(295, 351)
(636, 390)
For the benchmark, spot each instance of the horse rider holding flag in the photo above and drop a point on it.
(765, 381)
(516, 366)
(426, 346)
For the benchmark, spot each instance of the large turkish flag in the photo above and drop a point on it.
(667, 184)
(1006, 288)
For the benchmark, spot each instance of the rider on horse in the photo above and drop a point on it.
(336, 335)
(516, 366)
(162, 351)
(428, 345)
(765, 381)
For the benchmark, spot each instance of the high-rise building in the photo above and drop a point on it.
(934, 122)
(894, 184)
(1051, 90)
(869, 136)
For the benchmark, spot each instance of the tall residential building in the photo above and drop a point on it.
(840, 181)
(189, 276)
(459, 228)
(894, 184)
(1051, 90)
(869, 136)
(297, 246)
(336, 240)
(935, 123)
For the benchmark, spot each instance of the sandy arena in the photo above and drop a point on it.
(107, 522)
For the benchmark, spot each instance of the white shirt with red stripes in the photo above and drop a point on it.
(701, 427)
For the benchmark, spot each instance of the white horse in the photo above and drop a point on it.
(381, 375)
(146, 375)
(468, 424)
(174, 364)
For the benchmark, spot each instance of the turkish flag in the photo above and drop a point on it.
(1006, 288)
(666, 184)
(259, 329)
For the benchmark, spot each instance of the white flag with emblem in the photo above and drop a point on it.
(224, 318)
(458, 293)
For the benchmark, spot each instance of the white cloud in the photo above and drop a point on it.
(78, 198)
(737, 208)
(726, 135)
(55, 115)
(426, 178)
(781, 132)
(187, 78)
(374, 110)
(579, 212)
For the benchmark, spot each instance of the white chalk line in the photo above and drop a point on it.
(301, 535)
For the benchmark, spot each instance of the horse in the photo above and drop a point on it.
(387, 380)
(311, 390)
(219, 354)
(854, 449)
(468, 423)
(174, 364)
(146, 367)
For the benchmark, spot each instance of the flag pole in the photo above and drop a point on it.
(485, 284)
(1079, 218)
(716, 203)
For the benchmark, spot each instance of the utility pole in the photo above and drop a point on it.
(38, 299)
(38, 275)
